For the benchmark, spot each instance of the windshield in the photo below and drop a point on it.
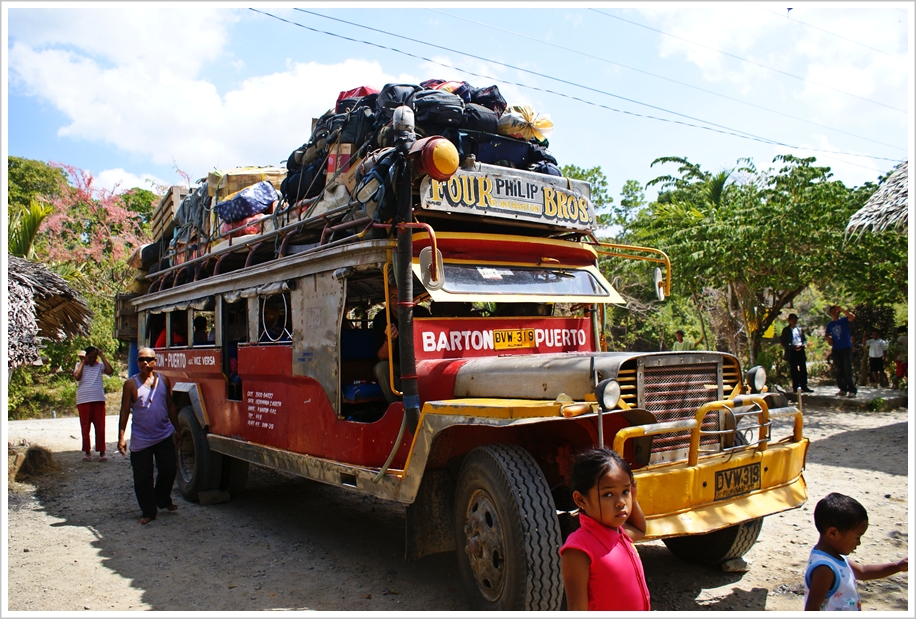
(470, 279)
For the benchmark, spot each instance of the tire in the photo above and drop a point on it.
(507, 535)
(716, 547)
(234, 476)
(198, 468)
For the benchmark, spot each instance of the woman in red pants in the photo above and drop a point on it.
(90, 399)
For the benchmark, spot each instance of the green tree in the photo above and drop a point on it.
(600, 196)
(29, 178)
(758, 237)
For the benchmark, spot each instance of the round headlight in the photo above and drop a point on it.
(439, 159)
(608, 394)
(756, 379)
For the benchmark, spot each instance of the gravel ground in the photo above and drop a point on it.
(74, 543)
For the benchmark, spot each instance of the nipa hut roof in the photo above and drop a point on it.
(41, 305)
(887, 208)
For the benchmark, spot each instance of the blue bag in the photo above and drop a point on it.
(250, 201)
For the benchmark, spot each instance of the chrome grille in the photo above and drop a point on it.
(675, 392)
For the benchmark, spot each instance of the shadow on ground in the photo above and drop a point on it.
(285, 543)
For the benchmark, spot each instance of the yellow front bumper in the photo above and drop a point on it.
(679, 499)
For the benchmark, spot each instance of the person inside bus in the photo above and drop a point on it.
(381, 324)
(178, 333)
(201, 335)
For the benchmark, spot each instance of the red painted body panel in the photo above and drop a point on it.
(282, 410)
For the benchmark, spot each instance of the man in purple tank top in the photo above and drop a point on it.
(153, 435)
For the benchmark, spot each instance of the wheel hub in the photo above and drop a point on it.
(485, 545)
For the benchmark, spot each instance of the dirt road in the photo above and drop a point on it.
(287, 543)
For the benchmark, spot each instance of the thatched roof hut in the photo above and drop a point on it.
(41, 306)
(886, 209)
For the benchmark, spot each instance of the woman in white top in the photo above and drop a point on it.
(90, 399)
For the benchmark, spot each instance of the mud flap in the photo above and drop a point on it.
(642, 446)
(430, 518)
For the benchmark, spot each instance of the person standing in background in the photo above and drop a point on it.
(839, 337)
(876, 351)
(90, 399)
(900, 359)
(794, 343)
(681, 344)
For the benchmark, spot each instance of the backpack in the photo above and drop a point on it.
(436, 109)
(391, 97)
(305, 182)
(479, 118)
(489, 97)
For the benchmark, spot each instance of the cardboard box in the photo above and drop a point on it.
(348, 178)
(339, 157)
(223, 183)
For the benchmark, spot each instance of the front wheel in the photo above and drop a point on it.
(507, 535)
(198, 468)
(716, 547)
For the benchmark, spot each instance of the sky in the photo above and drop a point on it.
(140, 94)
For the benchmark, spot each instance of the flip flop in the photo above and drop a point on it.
(103, 458)
(87, 458)
(145, 520)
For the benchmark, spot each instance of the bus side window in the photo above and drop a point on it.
(179, 324)
(235, 330)
(275, 323)
(155, 328)
(204, 328)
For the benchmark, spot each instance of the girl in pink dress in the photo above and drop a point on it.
(601, 568)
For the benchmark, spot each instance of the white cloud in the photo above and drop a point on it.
(119, 180)
(181, 39)
(755, 33)
(149, 110)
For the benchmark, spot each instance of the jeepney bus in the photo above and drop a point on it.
(504, 399)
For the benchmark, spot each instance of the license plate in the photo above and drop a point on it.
(513, 338)
(737, 481)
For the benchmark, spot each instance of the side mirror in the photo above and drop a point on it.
(426, 268)
(659, 284)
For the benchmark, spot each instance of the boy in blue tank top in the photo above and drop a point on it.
(830, 578)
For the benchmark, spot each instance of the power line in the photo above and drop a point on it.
(509, 66)
(792, 75)
(562, 94)
(668, 79)
(833, 34)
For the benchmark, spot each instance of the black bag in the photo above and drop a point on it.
(539, 152)
(546, 167)
(345, 105)
(390, 98)
(435, 109)
(489, 97)
(495, 149)
(357, 127)
(479, 118)
(305, 183)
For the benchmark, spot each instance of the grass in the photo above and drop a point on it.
(43, 396)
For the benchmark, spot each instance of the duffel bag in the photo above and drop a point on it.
(437, 109)
(489, 97)
(479, 118)
(250, 201)
(390, 98)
